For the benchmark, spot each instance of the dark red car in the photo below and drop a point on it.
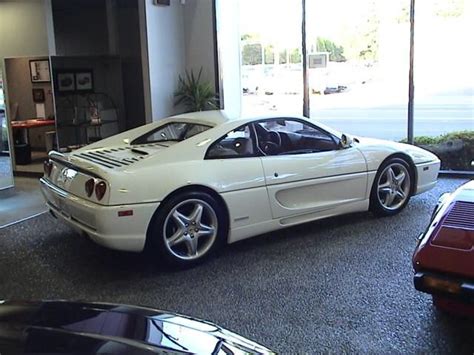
(444, 258)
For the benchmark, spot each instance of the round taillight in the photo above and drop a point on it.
(90, 184)
(47, 167)
(100, 189)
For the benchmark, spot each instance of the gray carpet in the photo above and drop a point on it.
(340, 285)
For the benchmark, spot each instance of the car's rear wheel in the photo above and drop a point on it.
(189, 227)
(392, 187)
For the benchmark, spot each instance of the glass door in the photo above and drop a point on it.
(6, 172)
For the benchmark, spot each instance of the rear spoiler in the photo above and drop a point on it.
(64, 160)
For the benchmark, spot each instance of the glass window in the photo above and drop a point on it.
(271, 55)
(175, 131)
(444, 92)
(286, 136)
(362, 87)
(236, 144)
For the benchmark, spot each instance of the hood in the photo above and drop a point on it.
(417, 154)
(74, 327)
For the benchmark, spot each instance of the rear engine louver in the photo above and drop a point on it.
(461, 216)
(113, 157)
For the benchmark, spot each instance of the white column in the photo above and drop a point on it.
(228, 42)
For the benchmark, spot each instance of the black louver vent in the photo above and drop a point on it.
(461, 215)
(105, 157)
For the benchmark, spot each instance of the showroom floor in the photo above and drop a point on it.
(21, 202)
(340, 285)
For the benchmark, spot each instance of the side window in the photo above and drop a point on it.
(289, 136)
(236, 144)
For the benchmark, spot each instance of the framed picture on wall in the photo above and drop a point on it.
(38, 96)
(39, 71)
(84, 81)
(65, 82)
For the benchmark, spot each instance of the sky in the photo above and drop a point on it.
(442, 51)
(280, 20)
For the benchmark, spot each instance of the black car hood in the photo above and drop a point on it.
(102, 328)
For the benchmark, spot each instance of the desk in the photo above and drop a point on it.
(26, 125)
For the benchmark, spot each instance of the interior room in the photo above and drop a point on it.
(89, 99)
(31, 111)
(91, 88)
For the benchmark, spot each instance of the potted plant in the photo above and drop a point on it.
(195, 94)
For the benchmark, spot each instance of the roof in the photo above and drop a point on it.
(220, 117)
(215, 117)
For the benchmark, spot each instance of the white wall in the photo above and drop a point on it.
(228, 37)
(166, 54)
(199, 38)
(23, 30)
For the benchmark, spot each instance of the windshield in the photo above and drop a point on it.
(175, 131)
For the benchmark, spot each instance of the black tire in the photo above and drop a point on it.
(175, 256)
(377, 206)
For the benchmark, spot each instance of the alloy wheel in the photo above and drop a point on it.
(190, 229)
(393, 187)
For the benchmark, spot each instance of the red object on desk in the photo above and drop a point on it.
(32, 123)
(23, 127)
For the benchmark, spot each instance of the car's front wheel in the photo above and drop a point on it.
(189, 227)
(392, 187)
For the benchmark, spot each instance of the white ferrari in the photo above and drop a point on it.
(187, 184)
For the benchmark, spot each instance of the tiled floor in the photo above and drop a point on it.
(21, 202)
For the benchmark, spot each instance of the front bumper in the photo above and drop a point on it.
(444, 285)
(101, 223)
(427, 175)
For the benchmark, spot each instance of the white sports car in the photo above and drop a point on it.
(189, 183)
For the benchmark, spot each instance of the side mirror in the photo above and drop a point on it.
(345, 142)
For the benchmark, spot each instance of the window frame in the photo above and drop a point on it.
(253, 137)
(138, 140)
(336, 140)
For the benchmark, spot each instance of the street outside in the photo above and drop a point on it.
(374, 112)
(362, 86)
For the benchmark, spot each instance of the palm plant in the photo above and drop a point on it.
(194, 94)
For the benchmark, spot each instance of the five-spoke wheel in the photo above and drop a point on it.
(187, 228)
(190, 229)
(392, 187)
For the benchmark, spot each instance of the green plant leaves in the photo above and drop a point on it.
(195, 94)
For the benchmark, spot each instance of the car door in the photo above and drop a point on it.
(306, 170)
(234, 162)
